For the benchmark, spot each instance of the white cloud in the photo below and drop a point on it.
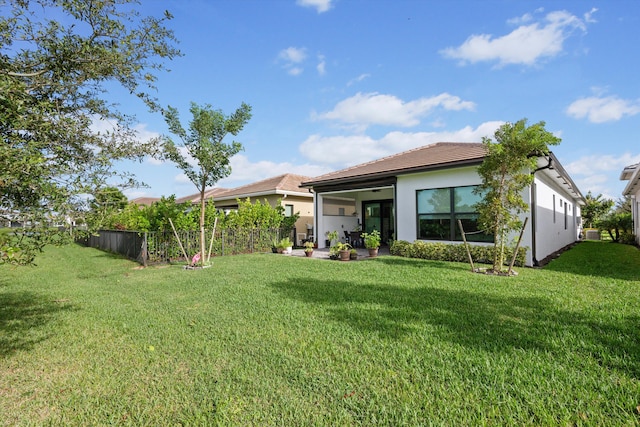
(293, 55)
(364, 109)
(525, 45)
(321, 6)
(358, 79)
(321, 67)
(597, 173)
(291, 58)
(343, 151)
(243, 171)
(603, 109)
(588, 17)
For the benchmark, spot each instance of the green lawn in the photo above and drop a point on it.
(90, 339)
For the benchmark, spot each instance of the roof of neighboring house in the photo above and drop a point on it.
(286, 184)
(428, 157)
(145, 201)
(195, 198)
(632, 174)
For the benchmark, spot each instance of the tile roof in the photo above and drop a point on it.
(195, 198)
(145, 201)
(281, 184)
(438, 155)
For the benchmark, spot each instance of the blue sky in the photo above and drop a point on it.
(334, 83)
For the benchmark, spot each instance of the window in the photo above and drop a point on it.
(288, 210)
(334, 206)
(439, 210)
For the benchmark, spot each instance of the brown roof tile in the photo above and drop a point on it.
(286, 183)
(431, 156)
(195, 198)
(144, 201)
(280, 184)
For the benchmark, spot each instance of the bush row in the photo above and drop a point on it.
(456, 252)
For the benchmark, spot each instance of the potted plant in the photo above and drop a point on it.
(308, 248)
(372, 242)
(285, 246)
(342, 250)
(353, 254)
(331, 237)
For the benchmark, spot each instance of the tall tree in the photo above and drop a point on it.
(203, 142)
(595, 209)
(506, 172)
(57, 58)
(105, 202)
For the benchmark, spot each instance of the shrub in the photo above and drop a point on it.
(453, 252)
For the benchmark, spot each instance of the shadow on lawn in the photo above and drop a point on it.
(473, 320)
(21, 316)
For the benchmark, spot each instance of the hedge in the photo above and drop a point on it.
(454, 252)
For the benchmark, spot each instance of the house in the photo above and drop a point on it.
(282, 189)
(421, 193)
(212, 193)
(144, 201)
(632, 174)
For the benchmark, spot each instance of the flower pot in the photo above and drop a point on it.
(308, 254)
(345, 255)
(373, 252)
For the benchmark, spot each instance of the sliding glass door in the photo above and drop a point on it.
(378, 215)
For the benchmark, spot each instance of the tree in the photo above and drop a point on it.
(105, 203)
(204, 143)
(506, 172)
(57, 59)
(617, 222)
(595, 209)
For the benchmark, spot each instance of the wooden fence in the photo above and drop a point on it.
(162, 247)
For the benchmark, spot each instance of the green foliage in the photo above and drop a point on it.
(254, 215)
(204, 143)
(594, 209)
(56, 60)
(438, 251)
(506, 172)
(284, 243)
(371, 240)
(616, 224)
(106, 202)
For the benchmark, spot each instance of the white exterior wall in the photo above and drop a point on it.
(635, 214)
(407, 186)
(551, 235)
(556, 219)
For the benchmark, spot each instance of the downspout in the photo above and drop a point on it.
(534, 209)
(395, 211)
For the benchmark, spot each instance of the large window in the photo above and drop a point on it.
(334, 206)
(439, 210)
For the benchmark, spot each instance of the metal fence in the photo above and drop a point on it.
(162, 247)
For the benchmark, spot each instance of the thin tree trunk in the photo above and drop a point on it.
(202, 232)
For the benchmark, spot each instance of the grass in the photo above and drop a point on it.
(87, 338)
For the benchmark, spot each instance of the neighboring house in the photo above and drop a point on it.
(632, 174)
(208, 194)
(144, 201)
(420, 194)
(282, 189)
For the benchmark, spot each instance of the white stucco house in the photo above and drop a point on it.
(421, 193)
(632, 189)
